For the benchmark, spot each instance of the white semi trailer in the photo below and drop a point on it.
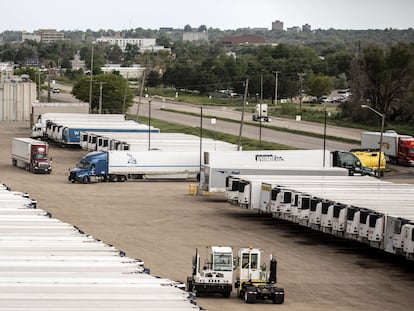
(39, 128)
(117, 165)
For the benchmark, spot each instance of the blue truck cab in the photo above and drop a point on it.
(91, 167)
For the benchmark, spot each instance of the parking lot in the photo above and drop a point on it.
(162, 224)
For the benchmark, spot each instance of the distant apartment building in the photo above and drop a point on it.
(50, 35)
(195, 36)
(277, 25)
(241, 40)
(294, 29)
(141, 43)
(306, 28)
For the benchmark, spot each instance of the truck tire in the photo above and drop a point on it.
(227, 294)
(85, 179)
(248, 296)
(14, 162)
(121, 178)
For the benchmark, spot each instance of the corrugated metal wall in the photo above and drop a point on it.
(16, 99)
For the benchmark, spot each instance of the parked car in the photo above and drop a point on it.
(56, 90)
(325, 99)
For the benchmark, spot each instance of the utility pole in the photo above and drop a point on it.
(301, 75)
(140, 94)
(38, 72)
(90, 81)
(261, 110)
(246, 88)
(125, 94)
(48, 84)
(100, 96)
(276, 74)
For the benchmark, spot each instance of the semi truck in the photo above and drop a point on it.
(215, 276)
(31, 155)
(398, 148)
(120, 165)
(370, 158)
(260, 113)
(218, 165)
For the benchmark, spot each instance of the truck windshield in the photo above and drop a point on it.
(40, 156)
(223, 262)
(83, 164)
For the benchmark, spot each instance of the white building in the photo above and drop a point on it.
(134, 72)
(195, 36)
(122, 42)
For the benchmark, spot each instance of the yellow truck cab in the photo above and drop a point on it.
(369, 158)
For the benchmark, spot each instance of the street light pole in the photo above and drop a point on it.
(382, 115)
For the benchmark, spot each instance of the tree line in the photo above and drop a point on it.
(379, 75)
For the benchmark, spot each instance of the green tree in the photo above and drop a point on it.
(153, 79)
(131, 54)
(318, 85)
(112, 92)
(114, 54)
(384, 76)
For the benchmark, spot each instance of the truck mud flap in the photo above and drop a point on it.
(279, 296)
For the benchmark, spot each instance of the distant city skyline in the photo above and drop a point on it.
(25, 15)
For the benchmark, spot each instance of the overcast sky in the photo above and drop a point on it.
(31, 15)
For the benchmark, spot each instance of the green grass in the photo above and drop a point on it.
(276, 128)
(246, 143)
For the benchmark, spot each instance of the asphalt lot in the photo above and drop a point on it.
(161, 223)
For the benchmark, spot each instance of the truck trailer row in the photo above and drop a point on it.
(47, 264)
(360, 208)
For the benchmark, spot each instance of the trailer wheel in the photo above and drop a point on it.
(227, 294)
(121, 178)
(14, 162)
(85, 179)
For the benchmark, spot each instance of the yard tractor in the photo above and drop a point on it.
(215, 276)
(253, 283)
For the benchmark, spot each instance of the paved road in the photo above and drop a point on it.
(250, 131)
(405, 175)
